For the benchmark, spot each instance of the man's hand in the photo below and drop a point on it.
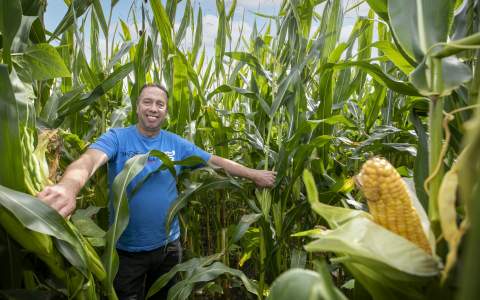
(264, 178)
(60, 197)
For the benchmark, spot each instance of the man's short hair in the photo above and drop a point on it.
(157, 85)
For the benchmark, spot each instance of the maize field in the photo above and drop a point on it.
(375, 140)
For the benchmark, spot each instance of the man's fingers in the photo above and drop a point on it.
(49, 199)
(46, 191)
(65, 211)
(57, 205)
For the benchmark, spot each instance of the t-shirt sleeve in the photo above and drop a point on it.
(192, 150)
(107, 143)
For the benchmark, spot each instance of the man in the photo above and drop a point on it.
(145, 250)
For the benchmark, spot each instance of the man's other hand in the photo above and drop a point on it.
(264, 178)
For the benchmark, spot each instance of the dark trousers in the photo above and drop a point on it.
(139, 270)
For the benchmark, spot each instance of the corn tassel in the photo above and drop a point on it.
(389, 202)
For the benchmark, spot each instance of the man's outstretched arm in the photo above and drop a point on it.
(62, 196)
(261, 178)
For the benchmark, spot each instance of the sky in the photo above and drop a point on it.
(245, 12)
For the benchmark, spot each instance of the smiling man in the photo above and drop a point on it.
(145, 250)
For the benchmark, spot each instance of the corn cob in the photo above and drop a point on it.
(389, 202)
(35, 164)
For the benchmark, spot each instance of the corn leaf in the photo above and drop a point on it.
(220, 40)
(379, 76)
(358, 242)
(45, 62)
(10, 136)
(75, 105)
(183, 289)
(38, 216)
(189, 266)
(421, 160)
(10, 21)
(97, 6)
(390, 51)
(469, 187)
(380, 7)
(21, 41)
(304, 284)
(191, 190)
(75, 10)
(419, 24)
(120, 212)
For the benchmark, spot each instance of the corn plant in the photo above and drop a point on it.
(290, 97)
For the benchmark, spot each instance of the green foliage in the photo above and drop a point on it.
(290, 97)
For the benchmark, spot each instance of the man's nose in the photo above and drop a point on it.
(155, 107)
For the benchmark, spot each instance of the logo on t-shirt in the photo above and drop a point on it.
(170, 154)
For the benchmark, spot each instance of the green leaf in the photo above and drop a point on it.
(358, 240)
(184, 23)
(294, 75)
(420, 169)
(378, 75)
(304, 284)
(220, 40)
(245, 222)
(12, 175)
(452, 74)
(225, 88)
(82, 219)
(10, 20)
(132, 167)
(250, 60)
(49, 113)
(331, 27)
(120, 53)
(38, 216)
(21, 41)
(402, 268)
(189, 266)
(75, 105)
(76, 9)
(193, 188)
(45, 62)
(470, 191)
(380, 8)
(164, 27)
(333, 120)
(420, 24)
(374, 103)
(140, 64)
(182, 290)
(390, 51)
(197, 42)
(97, 6)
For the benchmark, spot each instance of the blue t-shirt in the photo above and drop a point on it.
(149, 205)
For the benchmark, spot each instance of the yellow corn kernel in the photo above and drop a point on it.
(389, 202)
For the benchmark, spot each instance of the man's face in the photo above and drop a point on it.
(151, 110)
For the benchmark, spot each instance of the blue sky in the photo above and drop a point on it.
(56, 9)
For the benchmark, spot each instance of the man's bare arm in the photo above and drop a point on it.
(261, 178)
(62, 196)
